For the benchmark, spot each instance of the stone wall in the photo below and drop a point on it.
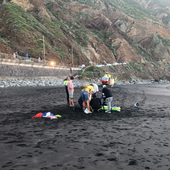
(13, 68)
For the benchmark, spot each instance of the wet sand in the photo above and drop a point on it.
(133, 139)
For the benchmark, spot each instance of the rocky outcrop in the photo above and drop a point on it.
(160, 9)
(32, 5)
(25, 4)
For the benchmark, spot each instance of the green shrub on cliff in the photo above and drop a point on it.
(88, 2)
(3, 41)
(138, 67)
(21, 20)
(131, 8)
(91, 72)
(165, 42)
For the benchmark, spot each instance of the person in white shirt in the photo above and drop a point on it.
(96, 88)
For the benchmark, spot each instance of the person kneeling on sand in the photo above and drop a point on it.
(70, 91)
(80, 102)
(95, 103)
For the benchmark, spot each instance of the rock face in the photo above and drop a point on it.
(31, 5)
(76, 33)
(160, 9)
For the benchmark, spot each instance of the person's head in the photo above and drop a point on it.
(92, 84)
(68, 78)
(94, 96)
(104, 86)
(72, 78)
(85, 85)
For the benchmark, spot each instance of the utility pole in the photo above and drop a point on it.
(72, 55)
(44, 47)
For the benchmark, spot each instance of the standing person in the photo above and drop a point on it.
(108, 96)
(16, 54)
(95, 103)
(29, 58)
(71, 91)
(26, 56)
(96, 89)
(65, 84)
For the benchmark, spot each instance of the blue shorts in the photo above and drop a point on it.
(84, 95)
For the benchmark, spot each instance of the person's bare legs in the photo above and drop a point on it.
(71, 102)
(88, 106)
(84, 105)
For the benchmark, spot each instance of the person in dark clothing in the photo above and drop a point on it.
(65, 84)
(107, 95)
(95, 103)
(80, 107)
(80, 101)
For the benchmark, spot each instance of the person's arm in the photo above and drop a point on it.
(91, 104)
(71, 86)
(100, 103)
(68, 86)
(97, 89)
(103, 93)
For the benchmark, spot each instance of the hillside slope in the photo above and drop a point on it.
(79, 31)
(160, 9)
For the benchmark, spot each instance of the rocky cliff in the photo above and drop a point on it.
(160, 9)
(79, 31)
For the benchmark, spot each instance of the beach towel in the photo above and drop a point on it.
(49, 115)
(38, 115)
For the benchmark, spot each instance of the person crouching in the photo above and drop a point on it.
(85, 97)
(95, 103)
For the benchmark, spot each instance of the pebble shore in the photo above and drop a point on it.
(33, 82)
(14, 82)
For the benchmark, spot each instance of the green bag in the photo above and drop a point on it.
(112, 108)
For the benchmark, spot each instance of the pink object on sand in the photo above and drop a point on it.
(52, 117)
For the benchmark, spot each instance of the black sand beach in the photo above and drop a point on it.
(133, 139)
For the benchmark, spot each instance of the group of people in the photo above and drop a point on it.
(88, 100)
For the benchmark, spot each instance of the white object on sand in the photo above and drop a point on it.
(136, 104)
